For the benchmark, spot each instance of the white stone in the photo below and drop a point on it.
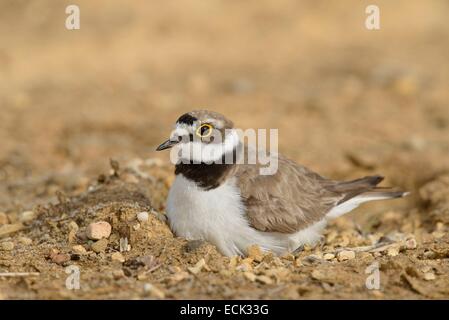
(345, 255)
(429, 276)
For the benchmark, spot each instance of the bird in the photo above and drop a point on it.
(231, 205)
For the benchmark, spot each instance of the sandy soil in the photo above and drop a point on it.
(347, 101)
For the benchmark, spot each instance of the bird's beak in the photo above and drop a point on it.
(167, 145)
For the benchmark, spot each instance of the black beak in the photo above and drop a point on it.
(167, 145)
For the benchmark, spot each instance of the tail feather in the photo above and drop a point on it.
(351, 189)
(358, 191)
(376, 194)
(361, 183)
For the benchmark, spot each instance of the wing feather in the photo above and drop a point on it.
(294, 197)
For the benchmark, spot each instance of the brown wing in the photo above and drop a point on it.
(294, 197)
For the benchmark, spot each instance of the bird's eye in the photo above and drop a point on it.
(204, 130)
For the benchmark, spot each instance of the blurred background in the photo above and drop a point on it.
(343, 97)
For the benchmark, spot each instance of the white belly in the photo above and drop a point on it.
(218, 216)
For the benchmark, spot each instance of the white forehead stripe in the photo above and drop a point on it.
(181, 130)
(198, 151)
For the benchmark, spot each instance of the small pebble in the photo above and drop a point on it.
(136, 226)
(429, 276)
(174, 269)
(332, 235)
(53, 251)
(79, 249)
(98, 230)
(298, 263)
(197, 267)
(377, 293)
(129, 178)
(345, 255)
(438, 234)
(60, 258)
(143, 216)
(411, 243)
(277, 262)
(406, 85)
(255, 253)
(264, 279)
(72, 236)
(426, 269)
(100, 245)
(153, 291)
(245, 265)
(10, 228)
(25, 241)
(312, 258)
(7, 246)
(289, 257)
(75, 257)
(160, 216)
(142, 276)
(81, 235)
(117, 256)
(393, 251)
(123, 244)
(193, 245)
(317, 274)
(27, 216)
(226, 272)
(279, 273)
(250, 276)
(117, 274)
(233, 262)
(73, 226)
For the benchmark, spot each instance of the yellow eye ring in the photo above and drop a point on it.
(200, 133)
